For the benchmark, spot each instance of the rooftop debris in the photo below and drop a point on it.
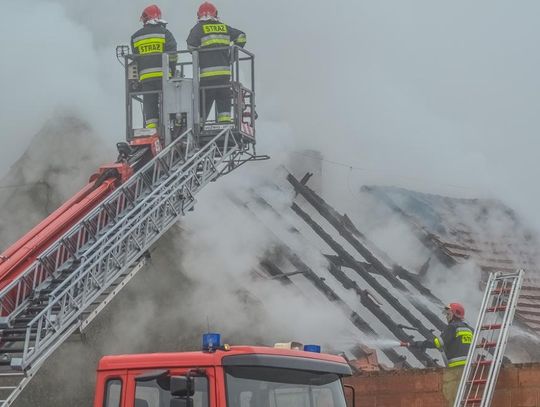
(483, 231)
(388, 294)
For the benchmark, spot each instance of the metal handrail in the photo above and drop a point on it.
(36, 272)
(68, 300)
(239, 57)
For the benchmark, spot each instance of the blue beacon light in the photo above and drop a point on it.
(211, 341)
(312, 348)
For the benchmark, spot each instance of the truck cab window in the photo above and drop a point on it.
(113, 393)
(155, 393)
(274, 387)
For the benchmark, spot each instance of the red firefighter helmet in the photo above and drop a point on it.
(207, 10)
(151, 13)
(456, 309)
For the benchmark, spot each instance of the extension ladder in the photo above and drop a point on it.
(78, 275)
(486, 354)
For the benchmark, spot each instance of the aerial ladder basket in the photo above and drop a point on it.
(486, 353)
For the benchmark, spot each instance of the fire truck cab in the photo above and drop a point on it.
(236, 376)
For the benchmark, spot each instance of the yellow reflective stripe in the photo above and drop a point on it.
(148, 41)
(150, 46)
(215, 41)
(458, 363)
(224, 118)
(151, 75)
(437, 343)
(241, 39)
(214, 73)
(152, 49)
(214, 28)
(151, 125)
(466, 336)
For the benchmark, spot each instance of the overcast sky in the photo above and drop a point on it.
(434, 95)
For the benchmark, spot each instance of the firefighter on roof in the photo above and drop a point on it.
(150, 42)
(215, 66)
(455, 340)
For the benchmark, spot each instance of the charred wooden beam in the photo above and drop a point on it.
(340, 261)
(415, 282)
(274, 270)
(353, 316)
(321, 206)
(368, 302)
(334, 218)
(372, 281)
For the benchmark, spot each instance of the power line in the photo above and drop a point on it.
(356, 168)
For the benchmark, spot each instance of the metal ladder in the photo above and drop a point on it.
(486, 353)
(73, 280)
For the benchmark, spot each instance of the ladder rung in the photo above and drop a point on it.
(483, 362)
(11, 374)
(11, 350)
(501, 291)
(473, 401)
(497, 309)
(486, 345)
(489, 327)
(16, 338)
(478, 381)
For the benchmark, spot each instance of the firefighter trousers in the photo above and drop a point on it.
(151, 102)
(451, 379)
(218, 90)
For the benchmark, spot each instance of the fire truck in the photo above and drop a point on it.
(222, 375)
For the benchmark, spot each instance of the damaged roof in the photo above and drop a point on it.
(483, 231)
(324, 255)
(318, 248)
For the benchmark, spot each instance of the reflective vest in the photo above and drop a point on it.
(455, 342)
(150, 42)
(214, 34)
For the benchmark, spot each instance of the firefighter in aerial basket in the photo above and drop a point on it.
(148, 44)
(215, 66)
(455, 341)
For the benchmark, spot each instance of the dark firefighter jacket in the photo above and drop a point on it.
(455, 341)
(214, 34)
(150, 42)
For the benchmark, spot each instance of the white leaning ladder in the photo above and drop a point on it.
(487, 349)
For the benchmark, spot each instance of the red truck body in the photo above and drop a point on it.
(225, 375)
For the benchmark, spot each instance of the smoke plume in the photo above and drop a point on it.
(438, 98)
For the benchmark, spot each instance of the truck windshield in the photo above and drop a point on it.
(155, 393)
(275, 387)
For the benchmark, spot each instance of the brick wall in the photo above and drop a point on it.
(518, 386)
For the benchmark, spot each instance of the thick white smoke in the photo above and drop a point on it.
(431, 96)
(49, 65)
(417, 94)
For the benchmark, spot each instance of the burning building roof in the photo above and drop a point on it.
(484, 232)
(381, 298)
